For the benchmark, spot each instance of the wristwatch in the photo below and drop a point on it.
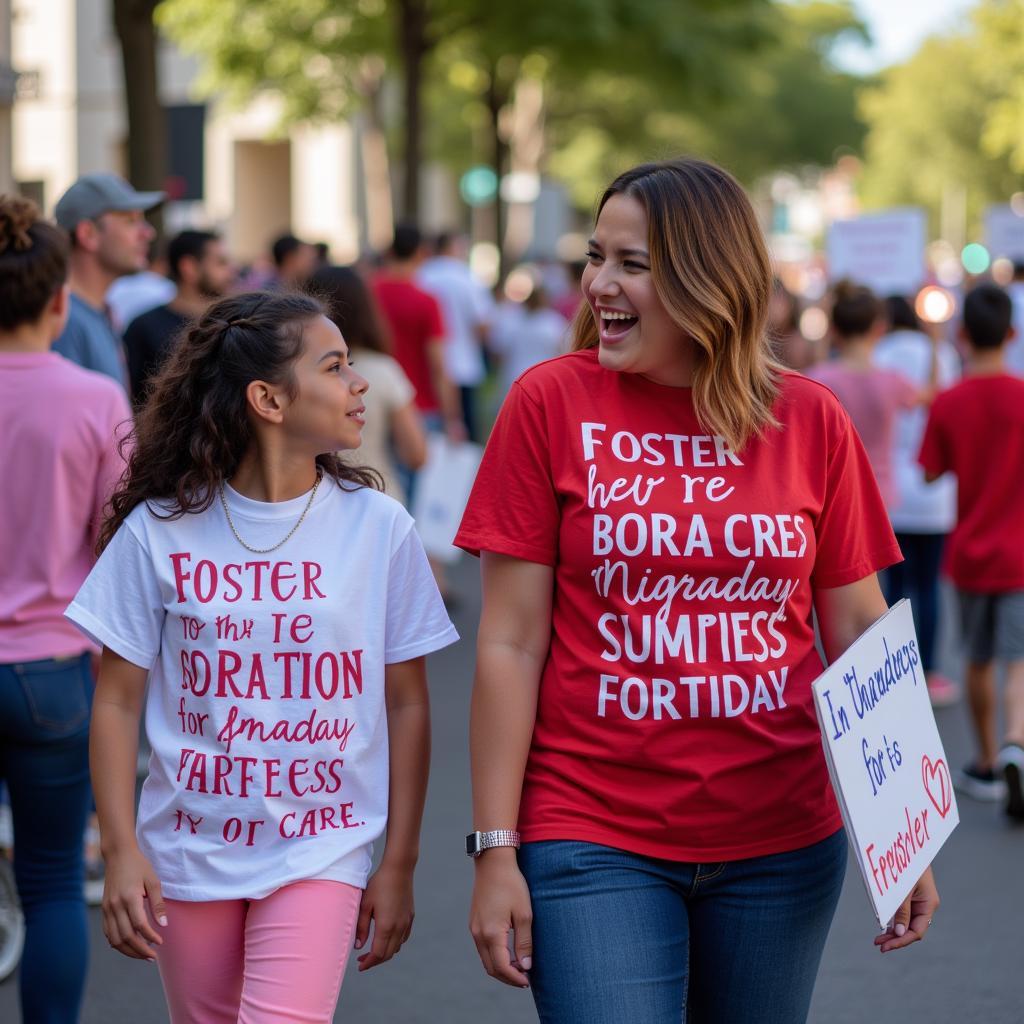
(477, 842)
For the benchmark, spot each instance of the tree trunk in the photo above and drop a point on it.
(413, 46)
(147, 128)
(497, 97)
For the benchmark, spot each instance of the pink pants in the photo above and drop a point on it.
(277, 959)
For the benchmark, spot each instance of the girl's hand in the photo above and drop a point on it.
(130, 882)
(387, 901)
(912, 920)
(501, 903)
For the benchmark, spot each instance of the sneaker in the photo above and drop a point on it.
(981, 785)
(1011, 762)
(942, 691)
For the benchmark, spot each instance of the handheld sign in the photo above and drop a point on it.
(885, 758)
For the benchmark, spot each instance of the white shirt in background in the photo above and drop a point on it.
(265, 710)
(466, 306)
(522, 338)
(131, 296)
(920, 507)
(1015, 350)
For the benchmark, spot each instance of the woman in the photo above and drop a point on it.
(658, 512)
(393, 424)
(59, 462)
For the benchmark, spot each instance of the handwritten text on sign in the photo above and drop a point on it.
(885, 758)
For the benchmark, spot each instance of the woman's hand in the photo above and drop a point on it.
(388, 902)
(130, 882)
(501, 903)
(912, 920)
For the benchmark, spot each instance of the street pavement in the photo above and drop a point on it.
(970, 969)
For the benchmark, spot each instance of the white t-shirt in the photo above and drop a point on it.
(1015, 349)
(466, 306)
(266, 706)
(919, 507)
(527, 340)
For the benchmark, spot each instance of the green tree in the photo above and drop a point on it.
(311, 51)
(940, 125)
(784, 104)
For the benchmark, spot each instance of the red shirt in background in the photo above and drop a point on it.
(415, 321)
(976, 430)
(675, 717)
(873, 398)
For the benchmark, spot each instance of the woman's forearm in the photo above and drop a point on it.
(502, 716)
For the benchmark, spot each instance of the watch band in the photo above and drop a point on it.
(477, 842)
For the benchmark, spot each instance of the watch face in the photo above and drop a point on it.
(473, 844)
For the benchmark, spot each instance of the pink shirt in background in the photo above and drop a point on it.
(872, 397)
(59, 428)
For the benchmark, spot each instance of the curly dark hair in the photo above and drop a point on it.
(194, 428)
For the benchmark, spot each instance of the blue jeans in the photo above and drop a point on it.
(917, 577)
(44, 760)
(624, 939)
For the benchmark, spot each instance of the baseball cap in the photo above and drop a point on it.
(94, 194)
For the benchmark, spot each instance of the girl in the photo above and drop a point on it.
(59, 462)
(681, 849)
(282, 608)
(394, 423)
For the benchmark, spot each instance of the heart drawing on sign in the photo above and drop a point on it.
(937, 784)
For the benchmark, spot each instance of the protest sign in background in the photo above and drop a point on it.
(885, 251)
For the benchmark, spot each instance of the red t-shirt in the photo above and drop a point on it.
(873, 398)
(675, 716)
(976, 430)
(415, 321)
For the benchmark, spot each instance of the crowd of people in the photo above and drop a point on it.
(195, 460)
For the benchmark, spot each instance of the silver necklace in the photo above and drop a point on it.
(287, 537)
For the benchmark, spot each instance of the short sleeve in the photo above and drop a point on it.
(934, 454)
(513, 508)
(119, 605)
(73, 344)
(399, 386)
(112, 461)
(854, 538)
(416, 621)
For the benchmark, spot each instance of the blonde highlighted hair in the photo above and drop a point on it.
(711, 270)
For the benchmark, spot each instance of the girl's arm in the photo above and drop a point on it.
(843, 614)
(512, 645)
(409, 437)
(388, 899)
(113, 749)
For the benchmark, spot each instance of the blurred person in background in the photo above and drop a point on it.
(201, 271)
(976, 431)
(466, 307)
(418, 334)
(135, 294)
(520, 341)
(393, 425)
(791, 348)
(922, 514)
(110, 238)
(871, 395)
(294, 263)
(1015, 349)
(568, 303)
(59, 462)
